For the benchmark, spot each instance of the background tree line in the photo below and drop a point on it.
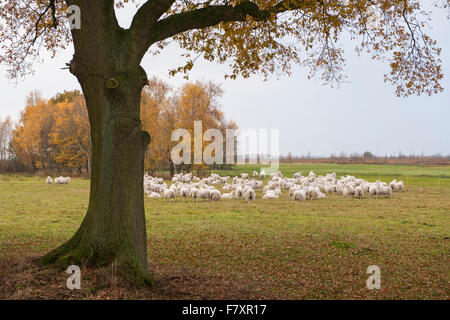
(53, 135)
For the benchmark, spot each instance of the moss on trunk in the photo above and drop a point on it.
(114, 229)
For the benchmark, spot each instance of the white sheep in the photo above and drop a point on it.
(270, 195)
(393, 184)
(299, 195)
(374, 190)
(297, 175)
(262, 175)
(184, 192)
(386, 191)
(62, 180)
(359, 192)
(314, 194)
(292, 191)
(250, 195)
(204, 194)
(214, 195)
(170, 193)
(399, 186)
(228, 196)
(195, 194)
(49, 180)
(348, 191)
(154, 195)
(240, 193)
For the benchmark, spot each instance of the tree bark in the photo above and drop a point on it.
(113, 231)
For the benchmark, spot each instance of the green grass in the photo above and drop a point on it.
(275, 248)
(410, 174)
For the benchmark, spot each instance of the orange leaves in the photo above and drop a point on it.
(71, 133)
(164, 110)
(253, 36)
(28, 27)
(53, 134)
(309, 33)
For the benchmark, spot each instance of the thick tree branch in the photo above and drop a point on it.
(154, 30)
(148, 15)
(210, 16)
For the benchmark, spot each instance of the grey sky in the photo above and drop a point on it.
(362, 115)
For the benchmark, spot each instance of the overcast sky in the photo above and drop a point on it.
(362, 115)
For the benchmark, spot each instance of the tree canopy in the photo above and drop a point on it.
(257, 36)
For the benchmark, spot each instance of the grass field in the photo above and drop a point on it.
(270, 249)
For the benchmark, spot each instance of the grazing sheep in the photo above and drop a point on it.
(366, 187)
(277, 192)
(348, 191)
(169, 194)
(399, 186)
(154, 195)
(270, 195)
(385, 191)
(214, 195)
(204, 194)
(292, 191)
(62, 180)
(184, 193)
(228, 196)
(240, 193)
(297, 175)
(258, 185)
(245, 176)
(250, 195)
(195, 194)
(393, 184)
(255, 174)
(359, 192)
(314, 194)
(49, 180)
(374, 191)
(262, 175)
(299, 195)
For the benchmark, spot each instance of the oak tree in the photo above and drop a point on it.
(252, 36)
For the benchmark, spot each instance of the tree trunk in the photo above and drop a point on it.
(105, 63)
(114, 228)
(172, 168)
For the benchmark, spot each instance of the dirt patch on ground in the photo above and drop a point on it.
(22, 278)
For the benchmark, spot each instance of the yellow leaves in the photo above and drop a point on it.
(309, 33)
(53, 133)
(261, 37)
(164, 110)
(26, 28)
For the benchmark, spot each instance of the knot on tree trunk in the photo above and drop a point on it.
(112, 83)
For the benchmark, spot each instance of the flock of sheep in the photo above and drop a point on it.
(300, 187)
(59, 180)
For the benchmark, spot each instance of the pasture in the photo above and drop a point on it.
(275, 249)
